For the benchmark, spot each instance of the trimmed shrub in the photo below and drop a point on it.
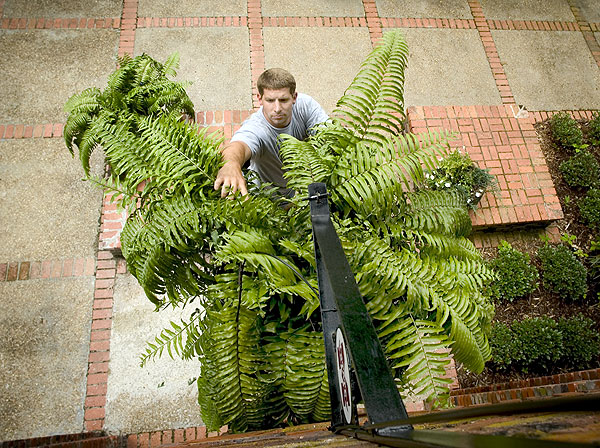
(504, 348)
(565, 130)
(581, 170)
(594, 129)
(517, 277)
(562, 272)
(589, 209)
(581, 341)
(540, 344)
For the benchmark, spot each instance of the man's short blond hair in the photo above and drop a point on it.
(275, 79)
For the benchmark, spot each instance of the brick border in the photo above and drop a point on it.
(16, 131)
(587, 29)
(194, 21)
(419, 22)
(30, 23)
(257, 50)
(373, 20)
(128, 27)
(46, 269)
(487, 240)
(585, 381)
(532, 25)
(171, 436)
(491, 52)
(100, 335)
(107, 268)
(539, 116)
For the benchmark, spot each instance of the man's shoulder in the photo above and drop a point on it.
(305, 98)
(256, 120)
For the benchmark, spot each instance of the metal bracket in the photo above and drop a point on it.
(347, 327)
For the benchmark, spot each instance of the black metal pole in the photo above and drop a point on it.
(347, 323)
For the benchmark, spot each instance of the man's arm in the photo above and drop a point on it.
(230, 177)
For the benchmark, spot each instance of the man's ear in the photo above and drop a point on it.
(259, 97)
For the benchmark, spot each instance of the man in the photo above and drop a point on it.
(282, 111)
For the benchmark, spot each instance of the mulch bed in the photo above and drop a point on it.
(542, 302)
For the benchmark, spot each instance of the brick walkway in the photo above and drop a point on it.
(498, 134)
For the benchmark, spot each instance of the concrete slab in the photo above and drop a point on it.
(550, 70)
(217, 60)
(313, 8)
(63, 62)
(589, 9)
(527, 10)
(447, 67)
(323, 60)
(43, 356)
(157, 396)
(192, 8)
(46, 210)
(439, 9)
(62, 8)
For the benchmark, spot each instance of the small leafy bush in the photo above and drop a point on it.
(581, 341)
(538, 345)
(589, 208)
(517, 277)
(581, 170)
(457, 171)
(594, 129)
(504, 348)
(562, 272)
(565, 130)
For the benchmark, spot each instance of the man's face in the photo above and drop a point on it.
(277, 106)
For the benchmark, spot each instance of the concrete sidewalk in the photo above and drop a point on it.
(75, 321)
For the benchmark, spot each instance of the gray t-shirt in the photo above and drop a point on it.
(263, 138)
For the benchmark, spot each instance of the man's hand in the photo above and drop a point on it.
(230, 178)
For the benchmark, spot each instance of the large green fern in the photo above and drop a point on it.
(247, 265)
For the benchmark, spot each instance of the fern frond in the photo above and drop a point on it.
(322, 409)
(172, 339)
(387, 274)
(163, 248)
(304, 163)
(370, 177)
(420, 348)
(86, 101)
(172, 64)
(437, 212)
(305, 370)
(442, 245)
(234, 360)
(373, 104)
(177, 151)
(257, 250)
(297, 360)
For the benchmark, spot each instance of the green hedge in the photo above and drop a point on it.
(543, 345)
(516, 276)
(562, 272)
